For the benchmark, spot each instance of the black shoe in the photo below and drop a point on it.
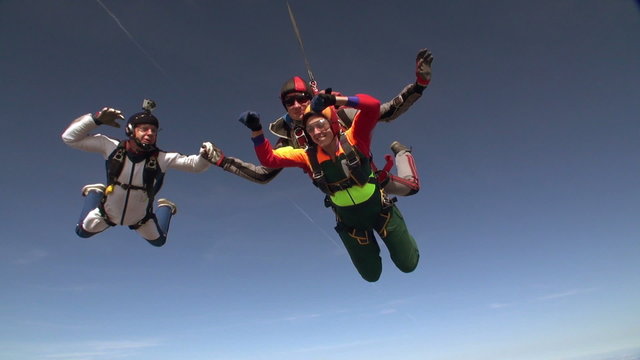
(396, 147)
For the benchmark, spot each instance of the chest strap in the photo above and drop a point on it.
(152, 177)
(358, 175)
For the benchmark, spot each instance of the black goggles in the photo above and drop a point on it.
(300, 98)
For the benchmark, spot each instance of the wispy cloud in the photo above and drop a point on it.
(564, 294)
(133, 40)
(316, 225)
(547, 297)
(332, 347)
(98, 350)
(388, 311)
(31, 257)
(302, 317)
(499, 305)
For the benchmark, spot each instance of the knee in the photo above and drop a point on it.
(371, 277)
(414, 190)
(409, 264)
(158, 242)
(81, 232)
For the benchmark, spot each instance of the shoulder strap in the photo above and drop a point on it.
(353, 160)
(152, 176)
(115, 163)
(346, 116)
(354, 163)
(317, 174)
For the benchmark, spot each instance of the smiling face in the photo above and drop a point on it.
(296, 103)
(146, 133)
(319, 129)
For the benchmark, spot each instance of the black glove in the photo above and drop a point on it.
(322, 101)
(108, 116)
(251, 120)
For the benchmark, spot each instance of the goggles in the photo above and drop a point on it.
(300, 98)
(320, 124)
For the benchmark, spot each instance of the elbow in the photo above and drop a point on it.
(264, 180)
(67, 139)
(269, 175)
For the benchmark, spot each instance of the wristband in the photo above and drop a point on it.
(258, 140)
(352, 101)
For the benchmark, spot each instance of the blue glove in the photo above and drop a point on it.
(251, 120)
(322, 101)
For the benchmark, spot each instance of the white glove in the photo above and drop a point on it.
(212, 153)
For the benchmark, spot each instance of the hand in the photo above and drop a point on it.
(322, 100)
(108, 116)
(423, 67)
(212, 153)
(251, 120)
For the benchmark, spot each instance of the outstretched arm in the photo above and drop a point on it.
(397, 106)
(283, 157)
(256, 173)
(76, 135)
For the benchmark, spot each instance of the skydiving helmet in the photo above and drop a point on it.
(143, 117)
(295, 84)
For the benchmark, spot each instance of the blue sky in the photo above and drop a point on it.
(527, 144)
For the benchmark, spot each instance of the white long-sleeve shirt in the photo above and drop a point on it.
(126, 206)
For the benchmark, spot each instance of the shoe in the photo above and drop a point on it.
(165, 202)
(396, 147)
(92, 187)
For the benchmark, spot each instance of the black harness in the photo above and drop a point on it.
(152, 178)
(357, 172)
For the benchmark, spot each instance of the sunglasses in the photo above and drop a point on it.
(320, 124)
(300, 98)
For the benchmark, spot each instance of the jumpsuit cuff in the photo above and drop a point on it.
(258, 140)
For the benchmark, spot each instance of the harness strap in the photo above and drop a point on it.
(115, 163)
(358, 176)
(129, 187)
(380, 225)
(352, 158)
(353, 161)
(317, 175)
(359, 235)
(383, 175)
(149, 215)
(347, 183)
(151, 176)
(103, 213)
(385, 215)
(300, 137)
(152, 179)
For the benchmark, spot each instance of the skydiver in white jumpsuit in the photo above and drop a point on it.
(135, 170)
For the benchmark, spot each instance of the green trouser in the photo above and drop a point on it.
(355, 227)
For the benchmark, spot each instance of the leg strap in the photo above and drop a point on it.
(361, 236)
(385, 215)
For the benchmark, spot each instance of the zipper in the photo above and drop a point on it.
(126, 199)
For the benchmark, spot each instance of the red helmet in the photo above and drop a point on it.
(295, 84)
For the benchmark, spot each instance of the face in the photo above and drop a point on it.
(296, 103)
(319, 129)
(146, 133)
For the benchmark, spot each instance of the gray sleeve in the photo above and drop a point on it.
(256, 173)
(401, 103)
